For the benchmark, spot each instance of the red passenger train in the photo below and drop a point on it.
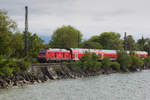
(51, 54)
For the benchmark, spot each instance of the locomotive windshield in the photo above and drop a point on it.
(42, 52)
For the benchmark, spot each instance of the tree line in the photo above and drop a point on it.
(12, 42)
(69, 37)
(12, 56)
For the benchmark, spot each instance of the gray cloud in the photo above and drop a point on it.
(90, 16)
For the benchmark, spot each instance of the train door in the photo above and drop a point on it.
(76, 56)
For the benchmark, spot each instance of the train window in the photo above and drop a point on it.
(42, 52)
(63, 55)
(55, 54)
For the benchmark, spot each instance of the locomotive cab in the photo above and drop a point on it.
(42, 56)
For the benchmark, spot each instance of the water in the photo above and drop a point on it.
(131, 86)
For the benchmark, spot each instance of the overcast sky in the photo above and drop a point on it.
(91, 17)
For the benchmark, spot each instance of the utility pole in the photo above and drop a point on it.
(142, 41)
(125, 41)
(78, 40)
(26, 31)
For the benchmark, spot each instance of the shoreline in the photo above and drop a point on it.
(40, 74)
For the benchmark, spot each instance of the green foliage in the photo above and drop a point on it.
(143, 44)
(17, 45)
(94, 38)
(124, 59)
(76, 66)
(6, 27)
(22, 66)
(129, 62)
(136, 62)
(131, 44)
(110, 40)
(147, 61)
(89, 62)
(115, 65)
(6, 67)
(106, 40)
(11, 43)
(106, 63)
(10, 66)
(35, 44)
(65, 37)
(91, 45)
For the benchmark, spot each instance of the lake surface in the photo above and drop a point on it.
(130, 86)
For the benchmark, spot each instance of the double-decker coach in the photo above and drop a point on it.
(51, 54)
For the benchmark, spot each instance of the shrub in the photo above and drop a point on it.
(124, 59)
(147, 61)
(89, 62)
(115, 65)
(10, 66)
(136, 62)
(76, 66)
(106, 63)
(6, 71)
(6, 67)
(22, 66)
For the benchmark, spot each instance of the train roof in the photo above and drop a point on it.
(58, 50)
(91, 50)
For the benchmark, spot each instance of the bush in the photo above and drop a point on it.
(6, 71)
(22, 65)
(115, 65)
(106, 63)
(136, 62)
(10, 66)
(89, 62)
(124, 59)
(76, 66)
(6, 67)
(147, 61)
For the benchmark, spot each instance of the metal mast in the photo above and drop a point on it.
(26, 31)
(125, 42)
(78, 40)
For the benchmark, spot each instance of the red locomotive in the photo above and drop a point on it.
(46, 55)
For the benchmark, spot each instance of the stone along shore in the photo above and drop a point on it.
(43, 72)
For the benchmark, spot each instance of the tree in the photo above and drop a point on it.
(91, 45)
(140, 43)
(110, 40)
(17, 45)
(106, 63)
(89, 62)
(65, 37)
(94, 38)
(6, 27)
(35, 44)
(143, 44)
(124, 60)
(131, 44)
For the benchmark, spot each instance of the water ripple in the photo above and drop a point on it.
(129, 86)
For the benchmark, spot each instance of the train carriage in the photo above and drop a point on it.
(51, 54)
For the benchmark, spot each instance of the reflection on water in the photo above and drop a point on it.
(131, 86)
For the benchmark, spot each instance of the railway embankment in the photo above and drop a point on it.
(14, 74)
(46, 71)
